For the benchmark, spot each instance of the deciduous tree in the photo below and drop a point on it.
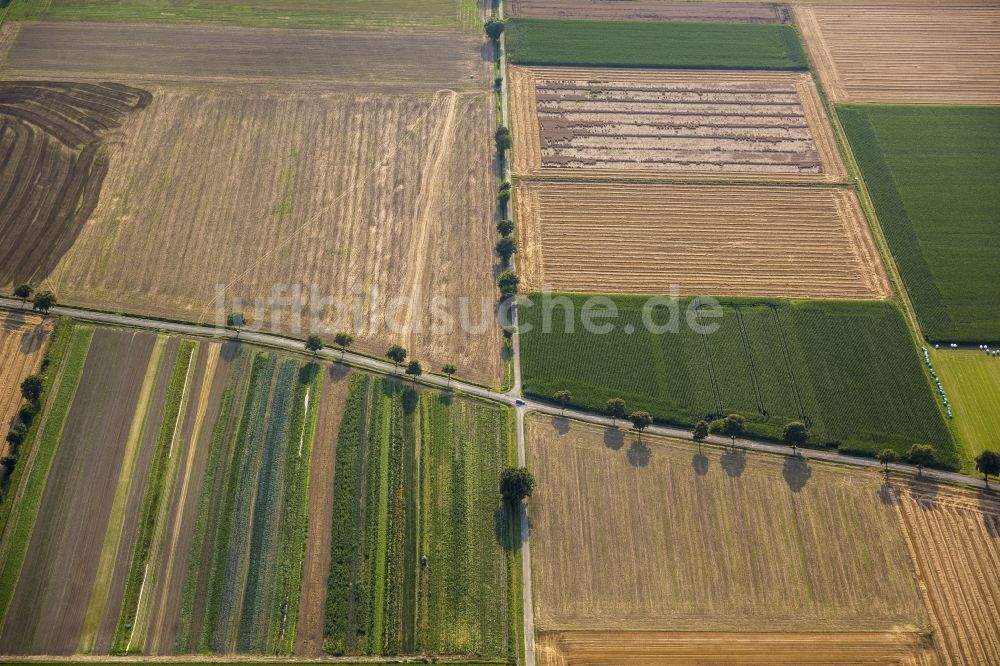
(733, 426)
(700, 431)
(921, 455)
(397, 355)
(414, 369)
(24, 292)
(562, 397)
(516, 483)
(314, 343)
(615, 408)
(795, 435)
(886, 456)
(988, 464)
(640, 420)
(343, 340)
(44, 301)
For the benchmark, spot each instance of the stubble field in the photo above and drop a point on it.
(823, 550)
(22, 345)
(904, 54)
(651, 10)
(790, 241)
(954, 539)
(663, 124)
(366, 174)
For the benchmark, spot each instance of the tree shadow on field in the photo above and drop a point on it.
(230, 350)
(699, 462)
(614, 439)
(410, 400)
(33, 340)
(734, 461)
(506, 528)
(308, 372)
(989, 505)
(446, 398)
(796, 472)
(639, 454)
(924, 492)
(337, 372)
(561, 424)
(887, 494)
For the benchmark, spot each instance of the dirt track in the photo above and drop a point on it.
(651, 10)
(727, 240)
(236, 56)
(670, 124)
(905, 54)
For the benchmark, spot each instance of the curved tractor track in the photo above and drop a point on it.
(52, 166)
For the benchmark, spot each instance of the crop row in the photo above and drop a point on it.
(416, 563)
(154, 500)
(849, 370)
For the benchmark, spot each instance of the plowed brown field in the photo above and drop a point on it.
(369, 197)
(954, 538)
(51, 166)
(22, 345)
(670, 124)
(905, 54)
(701, 239)
(627, 648)
(652, 10)
(656, 535)
(226, 56)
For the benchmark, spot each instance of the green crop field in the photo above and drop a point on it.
(848, 369)
(346, 14)
(654, 44)
(416, 476)
(971, 379)
(245, 588)
(932, 172)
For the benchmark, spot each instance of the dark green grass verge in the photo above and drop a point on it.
(848, 369)
(933, 174)
(416, 475)
(153, 498)
(73, 345)
(654, 44)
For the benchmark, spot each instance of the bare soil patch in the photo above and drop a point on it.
(23, 338)
(905, 54)
(237, 56)
(52, 166)
(652, 10)
(954, 538)
(47, 610)
(629, 123)
(312, 604)
(657, 534)
(701, 239)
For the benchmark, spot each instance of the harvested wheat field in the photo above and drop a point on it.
(748, 542)
(341, 193)
(22, 345)
(905, 54)
(223, 56)
(52, 166)
(652, 10)
(954, 538)
(698, 239)
(653, 648)
(670, 124)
